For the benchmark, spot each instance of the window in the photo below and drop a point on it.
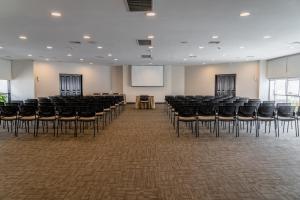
(285, 90)
(4, 89)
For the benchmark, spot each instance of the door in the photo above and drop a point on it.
(225, 85)
(70, 84)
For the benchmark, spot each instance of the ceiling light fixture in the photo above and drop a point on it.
(150, 14)
(49, 47)
(29, 55)
(81, 59)
(242, 47)
(109, 55)
(91, 63)
(99, 47)
(150, 47)
(204, 63)
(267, 37)
(1, 47)
(47, 59)
(22, 37)
(215, 37)
(69, 55)
(184, 59)
(150, 36)
(245, 14)
(86, 37)
(201, 47)
(56, 14)
(116, 59)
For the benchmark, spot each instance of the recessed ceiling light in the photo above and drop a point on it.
(29, 55)
(47, 59)
(215, 37)
(91, 63)
(267, 37)
(150, 36)
(242, 47)
(116, 59)
(150, 47)
(184, 59)
(224, 55)
(56, 14)
(69, 55)
(22, 37)
(81, 59)
(49, 47)
(99, 47)
(86, 37)
(1, 47)
(150, 14)
(245, 14)
(109, 55)
(201, 47)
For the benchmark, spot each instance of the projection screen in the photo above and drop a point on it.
(147, 76)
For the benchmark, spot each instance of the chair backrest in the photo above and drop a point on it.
(47, 111)
(27, 110)
(283, 104)
(266, 111)
(206, 109)
(247, 111)
(286, 111)
(87, 111)
(67, 111)
(9, 111)
(187, 111)
(144, 97)
(227, 111)
(268, 103)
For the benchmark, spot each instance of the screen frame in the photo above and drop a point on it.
(163, 85)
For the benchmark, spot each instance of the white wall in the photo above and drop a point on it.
(95, 78)
(178, 80)
(22, 83)
(5, 69)
(200, 80)
(117, 79)
(284, 67)
(263, 81)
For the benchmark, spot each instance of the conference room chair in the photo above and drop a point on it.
(187, 114)
(266, 114)
(226, 114)
(46, 114)
(9, 114)
(206, 114)
(87, 115)
(286, 114)
(27, 115)
(246, 114)
(145, 101)
(67, 115)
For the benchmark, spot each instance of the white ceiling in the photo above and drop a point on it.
(113, 27)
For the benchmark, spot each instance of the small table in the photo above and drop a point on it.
(151, 103)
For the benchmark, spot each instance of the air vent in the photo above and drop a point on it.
(146, 56)
(99, 57)
(144, 42)
(92, 42)
(214, 42)
(139, 5)
(75, 42)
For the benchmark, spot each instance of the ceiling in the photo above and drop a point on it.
(109, 23)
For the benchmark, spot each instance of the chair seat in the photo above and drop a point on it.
(285, 118)
(113, 107)
(99, 113)
(67, 118)
(51, 118)
(265, 118)
(87, 118)
(206, 118)
(222, 118)
(180, 118)
(8, 118)
(242, 118)
(106, 109)
(27, 117)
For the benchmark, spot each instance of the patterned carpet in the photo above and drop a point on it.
(139, 157)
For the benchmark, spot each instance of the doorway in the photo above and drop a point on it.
(225, 85)
(70, 84)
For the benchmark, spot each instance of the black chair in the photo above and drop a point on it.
(187, 114)
(67, 114)
(266, 114)
(27, 114)
(246, 114)
(87, 115)
(226, 114)
(206, 114)
(9, 114)
(46, 114)
(144, 101)
(286, 114)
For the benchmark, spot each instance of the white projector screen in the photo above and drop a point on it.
(147, 76)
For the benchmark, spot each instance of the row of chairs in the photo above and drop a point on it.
(234, 111)
(72, 112)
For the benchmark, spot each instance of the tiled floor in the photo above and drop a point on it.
(138, 156)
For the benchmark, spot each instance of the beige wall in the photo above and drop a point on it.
(117, 79)
(200, 80)
(95, 78)
(284, 67)
(5, 69)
